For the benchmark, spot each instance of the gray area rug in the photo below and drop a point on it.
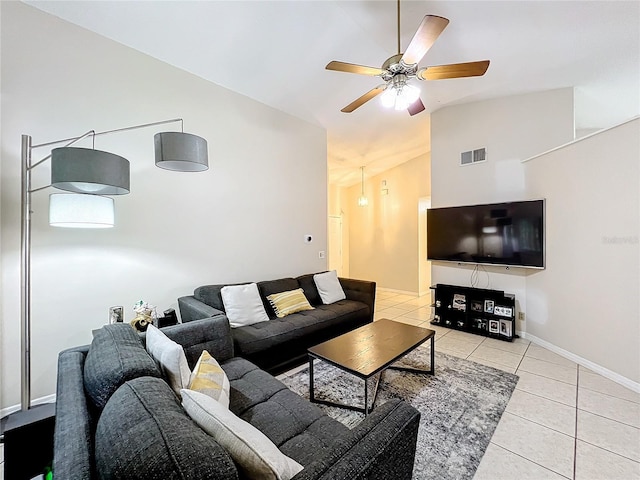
(460, 406)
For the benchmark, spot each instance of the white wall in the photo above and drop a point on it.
(586, 301)
(383, 236)
(511, 129)
(244, 219)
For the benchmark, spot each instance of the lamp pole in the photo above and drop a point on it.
(25, 276)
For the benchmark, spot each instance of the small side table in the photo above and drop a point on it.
(28, 441)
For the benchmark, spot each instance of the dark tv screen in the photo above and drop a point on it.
(498, 233)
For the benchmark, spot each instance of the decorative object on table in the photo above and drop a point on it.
(488, 306)
(494, 326)
(505, 328)
(169, 317)
(145, 314)
(90, 175)
(116, 314)
(461, 407)
(503, 311)
(459, 302)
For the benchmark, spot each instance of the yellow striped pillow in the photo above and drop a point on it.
(209, 378)
(285, 303)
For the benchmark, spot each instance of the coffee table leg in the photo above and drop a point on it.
(366, 397)
(433, 355)
(311, 378)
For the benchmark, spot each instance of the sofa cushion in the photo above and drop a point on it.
(243, 305)
(270, 287)
(255, 455)
(310, 290)
(296, 327)
(116, 355)
(170, 356)
(144, 432)
(300, 429)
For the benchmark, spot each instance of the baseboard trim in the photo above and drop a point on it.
(605, 372)
(39, 401)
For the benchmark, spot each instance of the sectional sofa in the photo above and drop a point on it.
(118, 418)
(281, 343)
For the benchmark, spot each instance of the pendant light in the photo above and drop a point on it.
(362, 200)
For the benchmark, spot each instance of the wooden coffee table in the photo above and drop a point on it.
(369, 350)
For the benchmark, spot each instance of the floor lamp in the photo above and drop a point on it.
(91, 176)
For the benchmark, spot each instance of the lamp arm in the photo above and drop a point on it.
(123, 129)
(73, 140)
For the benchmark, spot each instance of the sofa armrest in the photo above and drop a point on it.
(382, 446)
(72, 438)
(192, 309)
(361, 290)
(210, 334)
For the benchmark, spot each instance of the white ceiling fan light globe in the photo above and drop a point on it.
(411, 93)
(401, 102)
(388, 97)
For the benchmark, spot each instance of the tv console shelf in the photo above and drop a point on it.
(484, 312)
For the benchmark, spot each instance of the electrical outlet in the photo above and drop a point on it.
(521, 316)
(321, 254)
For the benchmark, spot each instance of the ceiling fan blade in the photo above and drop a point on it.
(426, 35)
(416, 107)
(353, 68)
(362, 100)
(454, 70)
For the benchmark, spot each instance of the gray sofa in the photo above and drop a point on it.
(281, 343)
(117, 418)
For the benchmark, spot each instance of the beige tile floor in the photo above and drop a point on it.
(563, 420)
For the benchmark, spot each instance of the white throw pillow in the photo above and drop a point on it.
(243, 305)
(170, 356)
(209, 378)
(329, 287)
(252, 451)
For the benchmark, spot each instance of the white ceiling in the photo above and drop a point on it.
(275, 52)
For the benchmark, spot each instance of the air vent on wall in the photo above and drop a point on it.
(473, 156)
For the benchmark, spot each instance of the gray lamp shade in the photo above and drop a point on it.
(182, 152)
(84, 170)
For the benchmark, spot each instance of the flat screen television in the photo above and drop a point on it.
(509, 234)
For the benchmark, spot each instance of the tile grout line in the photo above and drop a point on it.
(543, 397)
(610, 395)
(522, 358)
(530, 460)
(539, 424)
(610, 451)
(608, 418)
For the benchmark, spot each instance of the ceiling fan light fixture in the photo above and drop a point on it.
(399, 96)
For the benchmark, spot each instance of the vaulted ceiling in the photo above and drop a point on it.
(276, 51)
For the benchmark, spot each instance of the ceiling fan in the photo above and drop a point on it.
(397, 70)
